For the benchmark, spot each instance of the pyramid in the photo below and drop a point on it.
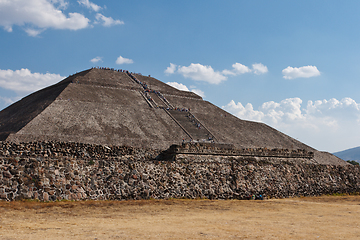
(112, 107)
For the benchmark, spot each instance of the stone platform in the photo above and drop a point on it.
(50, 171)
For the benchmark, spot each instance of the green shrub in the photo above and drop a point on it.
(353, 162)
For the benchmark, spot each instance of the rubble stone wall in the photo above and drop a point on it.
(95, 172)
(203, 148)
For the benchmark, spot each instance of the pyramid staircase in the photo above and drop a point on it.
(193, 126)
(186, 121)
(161, 102)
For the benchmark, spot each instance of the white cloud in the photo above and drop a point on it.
(238, 69)
(107, 21)
(178, 86)
(259, 68)
(24, 81)
(122, 60)
(38, 15)
(96, 59)
(33, 32)
(62, 4)
(171, 69)
(200, 72)
(8, 28)
(198, 92)
(338, 109)
(228, 72)
(89, 5)
(7, 101)
(182, 87)
(246, 113)
(330, 125)
(301, 72)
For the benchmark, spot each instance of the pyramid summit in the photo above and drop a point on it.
(113, 107)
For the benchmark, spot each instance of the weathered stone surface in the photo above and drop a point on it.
(129, 173)
(107, 107)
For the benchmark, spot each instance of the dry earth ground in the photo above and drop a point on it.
(326, 217)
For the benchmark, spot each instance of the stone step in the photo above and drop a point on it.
(157, 100)
(190, 124)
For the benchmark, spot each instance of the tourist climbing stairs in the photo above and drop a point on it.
(156, 99)
(151, 103)
(196, 129)
(187, 121)
(132, 78)
(165, 101)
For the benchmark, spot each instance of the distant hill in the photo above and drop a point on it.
(349, 154)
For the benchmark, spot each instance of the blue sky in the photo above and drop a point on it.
(291, 64)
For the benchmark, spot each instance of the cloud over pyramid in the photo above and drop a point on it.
(101, 106)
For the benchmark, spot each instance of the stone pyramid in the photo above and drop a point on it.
(110, 107)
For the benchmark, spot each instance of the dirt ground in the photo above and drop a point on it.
(326, 217)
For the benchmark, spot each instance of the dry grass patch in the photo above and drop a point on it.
(326, 217)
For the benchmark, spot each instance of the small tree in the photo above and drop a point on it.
(353, 162)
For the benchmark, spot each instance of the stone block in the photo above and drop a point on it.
(7, 174)
(45, 197)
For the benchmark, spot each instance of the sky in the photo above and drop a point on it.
(293, 65)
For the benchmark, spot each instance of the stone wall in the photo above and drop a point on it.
(207, 148)
(56, 171)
